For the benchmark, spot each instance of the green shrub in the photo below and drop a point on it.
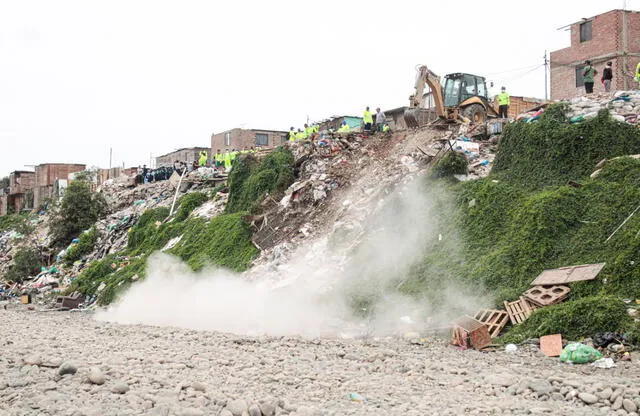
(26, 262)
(85, 245)
(452, 163)
(79, 209)
(581, 318)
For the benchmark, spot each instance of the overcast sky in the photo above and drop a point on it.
(148, 77)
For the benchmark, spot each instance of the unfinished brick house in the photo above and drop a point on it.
(187, 155)
(613, 36)
(46, 176)
(246, 139)
(21, 184)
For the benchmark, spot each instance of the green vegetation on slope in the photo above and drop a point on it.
(250, 180)
(585, 316)
(26, 262)
(85, 245)
(552, 151)
(507, 228)
(16, 222)
(224, 240)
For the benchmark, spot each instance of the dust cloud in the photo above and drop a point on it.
(343, 284)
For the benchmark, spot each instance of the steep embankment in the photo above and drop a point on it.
(540, 209)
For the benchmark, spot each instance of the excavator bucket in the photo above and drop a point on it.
(411, 118)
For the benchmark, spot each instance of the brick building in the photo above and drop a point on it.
(241, 138)
(47, 176)
(21, 184)
(613, 36)
(187, 155)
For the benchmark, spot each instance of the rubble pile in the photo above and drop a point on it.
(125, 204)
(623, 106)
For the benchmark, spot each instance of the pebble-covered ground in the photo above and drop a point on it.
(66, 363)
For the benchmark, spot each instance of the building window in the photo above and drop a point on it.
(227, 139)
(579, 77)
(283, 139)
(262, 139)
(585, 31)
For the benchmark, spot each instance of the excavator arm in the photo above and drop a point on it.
(428, 77)
(425, 77)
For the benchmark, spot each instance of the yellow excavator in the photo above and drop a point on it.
(464, 96)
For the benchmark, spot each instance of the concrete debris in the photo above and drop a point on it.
(623, 106)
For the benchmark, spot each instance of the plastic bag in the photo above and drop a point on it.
(579, 354)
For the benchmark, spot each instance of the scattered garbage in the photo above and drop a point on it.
(604, 363)
(576, 353)
(355, 397)
(510, 348)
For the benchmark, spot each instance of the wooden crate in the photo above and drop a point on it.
(469, 332)
(519, 310)
(494, 319)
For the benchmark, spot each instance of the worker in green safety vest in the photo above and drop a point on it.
(367, 118)
(344, 128)
(308, 130)
(234, 155)
(203, 158)
(503, 103)
(227, 160)
(638, 75)
(292, 135)
(301, 135)
(219, 158)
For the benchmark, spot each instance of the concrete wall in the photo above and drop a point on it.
(607, 44)
(240, 138)
(183, 155)
(3, 204)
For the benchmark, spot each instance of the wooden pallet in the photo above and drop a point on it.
(547, 295)
(519, 310)
(494, 319)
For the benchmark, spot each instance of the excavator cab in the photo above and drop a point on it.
(458, 88)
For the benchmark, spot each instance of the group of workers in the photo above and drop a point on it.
(310, 131)
(301, 134)
(225, 160)
(589, 72)
(380, 121)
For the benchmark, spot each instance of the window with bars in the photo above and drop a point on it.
(227, 139)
